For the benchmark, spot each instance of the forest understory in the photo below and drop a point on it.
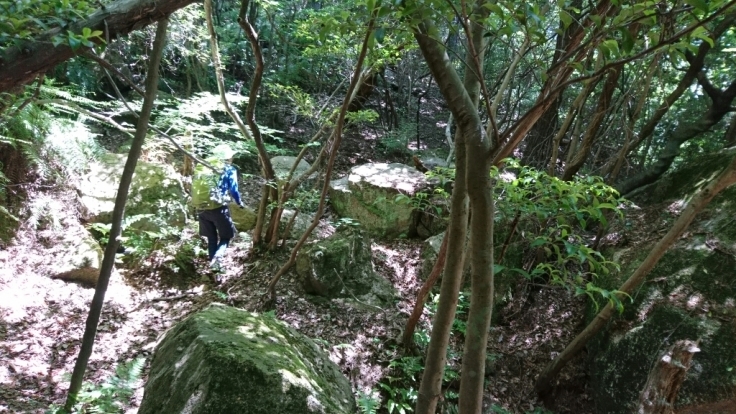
(43, 319)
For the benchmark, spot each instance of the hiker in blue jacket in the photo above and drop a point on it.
(215, 223)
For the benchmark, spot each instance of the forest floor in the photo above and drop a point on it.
(42, 320)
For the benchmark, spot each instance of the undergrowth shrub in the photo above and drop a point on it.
(551, 221)
(112, 396)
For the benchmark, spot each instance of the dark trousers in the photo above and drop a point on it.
(217, 226)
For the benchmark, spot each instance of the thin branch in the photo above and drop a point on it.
(107, 65)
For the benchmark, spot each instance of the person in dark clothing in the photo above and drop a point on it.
(215, 223)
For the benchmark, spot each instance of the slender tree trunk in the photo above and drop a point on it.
(604, 103)
(701, 199)
(696, 65)
(108, 261)
(331, 148)
(471, 144)
(480, 192)
(434, 366)
(569, 118)
(248, 12)
(613, 168)
(407, 338)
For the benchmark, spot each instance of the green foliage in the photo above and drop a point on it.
(361, 117)
(495, 409)
(307, 200)
(395, 143)
(398, 386)
(202, 116)
(346, 223)
(293, 97)
(25, 20)
(556, 216)
(139, 243)
(368, 403)
(111, 396)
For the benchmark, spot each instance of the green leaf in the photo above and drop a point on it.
(627, 41)
(701, 33)
(565, 18)
(701, 5)
(380, 34)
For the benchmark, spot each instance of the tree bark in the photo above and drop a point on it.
(22, 63)
(696, 65)
(407, 338)
(699, 201)
(472, 178)
(118, 213)
(663, 383)
(720, 107)
(458, 99)
(572, 113)
(331, 148)
(604, 103)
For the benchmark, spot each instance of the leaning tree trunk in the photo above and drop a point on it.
(686, 131)
(663, 383)
(117, 217)
(407, 338)
(331, 148)
(696, 65)
(22, 63)
(701, 199)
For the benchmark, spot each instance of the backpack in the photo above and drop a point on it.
(206, 192)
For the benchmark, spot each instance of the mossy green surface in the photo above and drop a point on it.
(224, 360)
(340, 266)
(369, 195)
(690, 294)
(155, 190)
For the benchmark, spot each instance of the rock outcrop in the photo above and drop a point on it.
(378, 196)
(225, 360)
(340, 266)
(155, 188)
(689, 295)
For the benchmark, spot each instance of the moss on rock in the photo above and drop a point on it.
(690, 294)
(340, 266)
(225, 360)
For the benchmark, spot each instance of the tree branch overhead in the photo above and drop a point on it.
(21, 64)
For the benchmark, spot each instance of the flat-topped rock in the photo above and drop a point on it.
(378, 196)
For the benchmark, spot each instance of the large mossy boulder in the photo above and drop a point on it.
(341, 266)
(226, 360)
(690, 294)
(369, 193)
(156, 193)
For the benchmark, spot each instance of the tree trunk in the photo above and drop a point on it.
(604, 103)
(699, 201)
(696, 65)
(686, 131)
(22, 63)
(473, 178)
(331, 148)
(660, 391)
(407, 338)
(108, 261)
(430, 387)
(569, 118)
